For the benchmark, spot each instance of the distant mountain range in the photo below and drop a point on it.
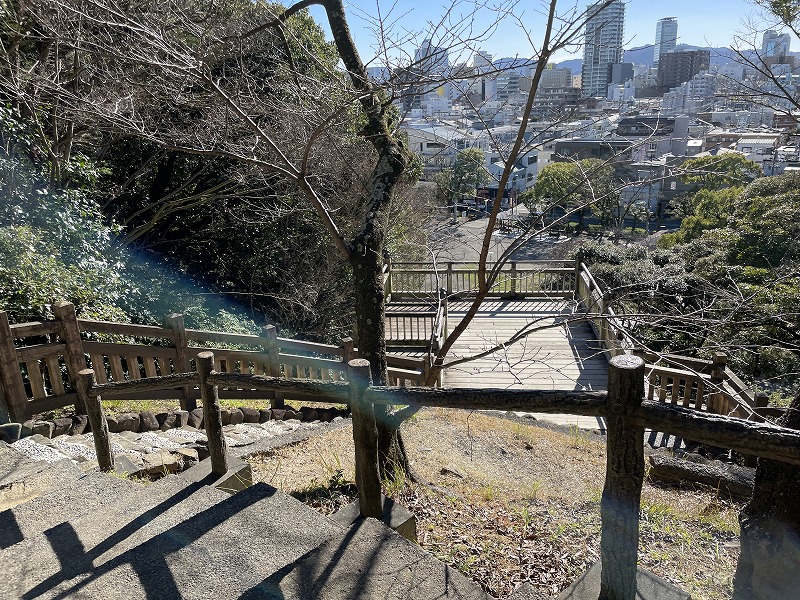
(643, 55)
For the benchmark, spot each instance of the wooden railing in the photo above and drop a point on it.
(40, 361)
(626, 409)
(702, 384)
(515, 280)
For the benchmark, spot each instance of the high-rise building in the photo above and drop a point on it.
(605, 28)
(482, 60)
(775, 44)
(666, 37)
(430, 59)
(675, 68)
(426, 78)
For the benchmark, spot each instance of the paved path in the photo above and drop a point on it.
(557, 355)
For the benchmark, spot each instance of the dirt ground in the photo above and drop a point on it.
(509, 501)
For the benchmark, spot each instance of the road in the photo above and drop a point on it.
(461, 241)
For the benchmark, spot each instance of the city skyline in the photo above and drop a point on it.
(695, 24)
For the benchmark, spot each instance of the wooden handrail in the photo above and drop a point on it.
(735, 392)
(34, 329)
(761, 439)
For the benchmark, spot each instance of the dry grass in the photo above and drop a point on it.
(513, 502)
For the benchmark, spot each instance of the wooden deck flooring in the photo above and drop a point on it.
(558, 355)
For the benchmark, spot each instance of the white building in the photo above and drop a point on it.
(623, 92)
(437, 143)
(759, 148)
(553, 77)
(603, 39)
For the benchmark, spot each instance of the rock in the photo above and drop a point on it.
(62, 426)
(181, 418)
(128, 422)
(161, 463)
(450, 470)
(325, 414)
(196, 418)
(124, 466)
(43, 428)
(27, 428)
(190, 456)
(236, 417)
(113, 425)
(290, 414)
(735, 480)
(309, 414)
(251, 415)
(80, 424)
(236, 439)
(225, 415)
(168, 422)
(201, 449)
(10, 432)
(264, 415)
(278, 414)
(148, 421)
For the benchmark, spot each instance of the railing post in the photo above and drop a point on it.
(14, 399)
(578, 268)
(449, 279)
(387, 289)
(365, 438)
(273, 361)
(513, 279)
(348, 350)
(212, 417)
(716, 399)
(348, 354)
(94, 411)
(183, 363)
(70, 334)
(619, 507)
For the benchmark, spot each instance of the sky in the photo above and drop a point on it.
(700, 22)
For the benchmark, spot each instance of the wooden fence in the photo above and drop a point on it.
(515, 280)
(40, 361)
(625, 407)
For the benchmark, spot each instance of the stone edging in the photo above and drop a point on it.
(145, 421)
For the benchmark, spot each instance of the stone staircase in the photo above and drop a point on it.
(69, 531)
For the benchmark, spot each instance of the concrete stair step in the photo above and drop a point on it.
(367, 561)
(193, 548)
(101, 532)
(90, 492)
(23, 478)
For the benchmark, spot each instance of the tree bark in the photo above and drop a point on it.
(770, 529)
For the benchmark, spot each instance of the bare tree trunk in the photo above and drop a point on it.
(770, 529)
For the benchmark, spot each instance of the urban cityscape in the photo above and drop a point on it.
(649, 107)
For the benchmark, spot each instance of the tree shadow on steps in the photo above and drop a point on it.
(149, 559)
